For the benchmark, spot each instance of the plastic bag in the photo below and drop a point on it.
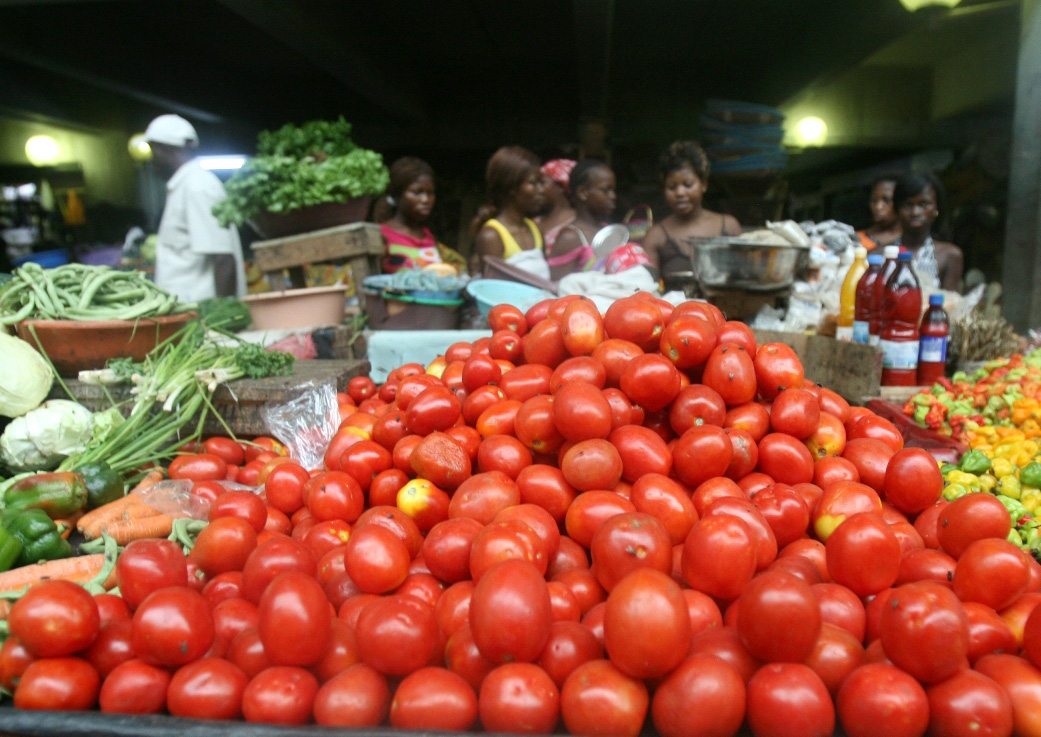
(306, 423)
(532, 261)
(174, 497)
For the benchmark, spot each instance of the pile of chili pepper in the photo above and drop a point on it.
(1003, 393)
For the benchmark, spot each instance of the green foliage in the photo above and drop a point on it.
(257, 363)
(300, 167)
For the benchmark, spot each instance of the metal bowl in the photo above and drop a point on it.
(733, 263)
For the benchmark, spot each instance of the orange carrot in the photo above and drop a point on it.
(125, 531)
(68, 523)
(113, 508)
(134, 509)
(80, 569)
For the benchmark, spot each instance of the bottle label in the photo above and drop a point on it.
(844, 333)
(933, 350)
(861, 332)
(873, 340)
(899, 355)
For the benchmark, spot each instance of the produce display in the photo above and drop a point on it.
(592, 523)
(79, 292)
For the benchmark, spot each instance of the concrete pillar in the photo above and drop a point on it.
(1022, 263)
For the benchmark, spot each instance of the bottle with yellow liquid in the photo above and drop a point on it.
(848, 295)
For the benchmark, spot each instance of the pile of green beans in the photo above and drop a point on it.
(80, 292)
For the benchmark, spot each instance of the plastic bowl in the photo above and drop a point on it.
(46, 259)
(297, 308)
(80, 345)
(490, 292)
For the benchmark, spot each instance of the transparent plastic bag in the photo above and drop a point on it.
(174, 497)
(306, 423)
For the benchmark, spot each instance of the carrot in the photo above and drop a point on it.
(5, 609)
(114, 508)
(134, 509)
(79, 569)
(125, 531)
(68, 523)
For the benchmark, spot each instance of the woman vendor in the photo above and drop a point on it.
(402, 214)
(559, 212)
(593, 185)
(885, 227)
(503, 227)
(918, 199)
(684, 171)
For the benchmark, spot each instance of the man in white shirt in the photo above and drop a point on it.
(195, 257)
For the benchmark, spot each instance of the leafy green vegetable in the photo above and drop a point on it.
(300, 167)
(256, 363)
(226, 313)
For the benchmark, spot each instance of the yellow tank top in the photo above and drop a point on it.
(510, 247)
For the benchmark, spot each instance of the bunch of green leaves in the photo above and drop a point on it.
(279, 184)
(314, 138)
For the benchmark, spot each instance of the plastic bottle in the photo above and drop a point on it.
(848, 295)
(932, 350)
(875, 326)
(901, 310)
(862, 304)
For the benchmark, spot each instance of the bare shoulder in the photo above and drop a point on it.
(731, 226)
(655, 237)
(489, 242)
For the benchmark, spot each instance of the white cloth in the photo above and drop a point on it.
(189, 235)
(604, 289)
(533, 261)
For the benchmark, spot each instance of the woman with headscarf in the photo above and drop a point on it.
(918, 199)
(559, 213)
(403, 213)
(504, 227)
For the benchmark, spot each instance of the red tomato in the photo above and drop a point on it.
(704, 695)
(280, 695)
(272, 557)
(581, 327)
(626, 542)
(507, 317)
(743, 509)
(54, 619)
(145, 566)
(198, 467)
(730, 372)
(828, 439)
(597, 698)
(134, 687)
(833, 468)
(795, 412)
(440, 459)
(836, 655)
(434, 699)
(786, 512)
(785, 459)
(66, 684)
(230, 451)
(397, 634)
(879, 428)
(991, 572)
(925, 631)
(173, 626)
(590, 510)
(642, 452)
(926, 564)
(970, 518)
(1021, 681)
(294, 620)
(701, 453)
(635, 320)
(241, 504)
(913, 480)
(544, 345)
(519, 697)
(592, 464)
(651, 381)
(777, 368)
(696, 404)
(357, 697)
(510, 612)
(284, 486)
(719, 556)
(688, 341)
(210, 688)
(666, 501)
(570, 644)
(615, 354)
(789, 698)
(839, 501)
(863, 554)
(224, 545)
(969, 703)
(581, 412)
(752, 417)
(334, 495)
(778, 617)
(376, 559)
(879, 698)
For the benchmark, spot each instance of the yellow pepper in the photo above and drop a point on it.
(961, 477)
(1010, 486)
(953, 491)
(1031, 498)
(1002, 467)
(988, 482)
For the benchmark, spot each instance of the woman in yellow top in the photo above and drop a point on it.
(504, 227)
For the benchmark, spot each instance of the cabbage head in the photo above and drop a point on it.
(25, 376)
(41, 439)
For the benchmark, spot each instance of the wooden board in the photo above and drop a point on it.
(241, 401)
(852, 370)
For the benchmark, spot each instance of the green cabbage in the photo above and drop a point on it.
(42, 438)
(25, 376)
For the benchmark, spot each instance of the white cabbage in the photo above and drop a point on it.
(41, 439)
(25, 376)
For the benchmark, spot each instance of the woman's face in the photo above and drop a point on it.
(530, 195)
(882, 211)
(918, 212)
(553, 192)
(599, 193)
(417, 201)
(683, 191)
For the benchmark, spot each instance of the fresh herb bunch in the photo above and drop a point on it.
(300, 167)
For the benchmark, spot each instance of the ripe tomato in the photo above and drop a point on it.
(280, 695)
(227, 449)
(651, 381)
(535, 424)
(626, 542)
(795, 412)
(357, 697)
(730, 372)
(224, 545)
(397, 522)
(210, 688)
(1022, 682)
(173, 626)
(789, 698)
(871, 458)
(719, 556)
(642, 452)
(510, 612)
(592, 464)
(505, 540)
(66, 684)
(376, 559)
(752, 417)
(464, 659)
(785, 510)
(500, 418)
(578, 368)
(839, 501)
(507, 317)
(272, 557)
(785, 459)
(879, 428)
(570, 644)
(294, 620)
(597, 698)
(581, 412)
(397, 634)
(546, 487)
(863, 554)
(743, 509)
(242, 504)
(198, 467)
(828, 439)
(666, 501)
(777, 368)
(615, 354)
(544, 345)
(701, 453)
(879, 698)
(635, 320)
(926, 564)
(434, 699)
(134, 687)
(688, 341)
(334, 495)
(589, 510)
(145, 566)
(992, 572)
(970, 518)
(704, 695)
(925, 631)
(836, 655)
(778, 617)
(54, 619)
(581, 327)
(484, 495)
(913, 480)
(519, 697)
(969, 703)
(442, 460)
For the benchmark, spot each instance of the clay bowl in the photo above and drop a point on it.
(80, 345)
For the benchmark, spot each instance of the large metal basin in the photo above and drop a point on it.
(732, 263)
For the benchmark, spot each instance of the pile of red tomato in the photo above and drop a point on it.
(587, 522)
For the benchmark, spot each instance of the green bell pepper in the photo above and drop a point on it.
(57, 494)
(103, 484)
(1030, 474)
(37, 533)
(974, 462)
(10, 549)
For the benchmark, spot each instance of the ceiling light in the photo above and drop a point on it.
(811, 131)
(914, 5)
(138, 148)
(221, 163)
(42, 150)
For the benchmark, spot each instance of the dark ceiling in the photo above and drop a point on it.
(453, 74)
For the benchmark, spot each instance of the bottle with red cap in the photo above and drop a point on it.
(901, 310)
(934, 333)
(877, 291)
(862, 303)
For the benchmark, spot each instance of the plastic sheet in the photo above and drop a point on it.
(306, 423)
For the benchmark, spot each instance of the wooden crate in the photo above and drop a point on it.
(852, 370)
(360, 244)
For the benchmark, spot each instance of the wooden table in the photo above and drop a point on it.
(240, 402)
(360, 244)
